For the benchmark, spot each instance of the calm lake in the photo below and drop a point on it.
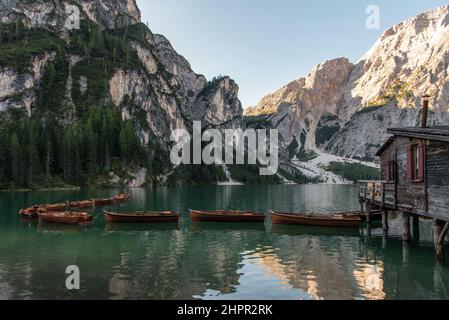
(215, 261)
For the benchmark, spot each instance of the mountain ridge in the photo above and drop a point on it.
(97, 105)
(383, 89)
(112, 79)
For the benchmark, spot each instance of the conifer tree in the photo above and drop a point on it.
(16, 164)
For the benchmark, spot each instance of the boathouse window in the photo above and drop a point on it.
(415, 159)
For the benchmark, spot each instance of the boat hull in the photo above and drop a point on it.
(203, 216)
(82, 204)
(55, 207)
(103, 202)
(374, 216)
(29, 212)
(121, 198)
(65, 218)
(148, 217)
(316, 220)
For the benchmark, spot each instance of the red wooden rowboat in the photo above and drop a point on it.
(29, 212)
(103, 202)
(226, 216)
(70, 217)
(317, 219)
(82, 204)
(55, 207)
(122, 197)
(375, 215)
(142, 217)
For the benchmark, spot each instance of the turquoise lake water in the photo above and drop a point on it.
(215, 261)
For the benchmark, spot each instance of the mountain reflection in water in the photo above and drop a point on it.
(215, 261)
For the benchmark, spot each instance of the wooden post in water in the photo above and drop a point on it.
(384, 239)
(368, 212)
(438, 282)
(405, 252)
(440, 229)
(406, 226)
(368, 232)
(415, 220)
(385, 226)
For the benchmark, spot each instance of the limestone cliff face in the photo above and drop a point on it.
(159, 89)
(166, 86)
(408, 60)
(46, 13)
(350, 110)
(17, 90)
(218, 105)
(19, 87)
(299, 106)
(385, 89)
(185, 79)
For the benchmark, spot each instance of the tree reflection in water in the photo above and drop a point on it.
(210, 261)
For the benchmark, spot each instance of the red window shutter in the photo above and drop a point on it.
(410, 162)
(422, 154)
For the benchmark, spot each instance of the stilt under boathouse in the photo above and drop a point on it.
(414, 179)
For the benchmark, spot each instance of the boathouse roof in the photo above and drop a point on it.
(431, 133)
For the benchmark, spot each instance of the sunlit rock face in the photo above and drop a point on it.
(300, 105)
(347, 111)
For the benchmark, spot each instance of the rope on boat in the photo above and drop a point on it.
(95, 217)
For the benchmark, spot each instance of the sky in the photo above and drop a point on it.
(264, 44)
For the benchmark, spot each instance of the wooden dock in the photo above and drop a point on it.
(382, 196)
(378, 193)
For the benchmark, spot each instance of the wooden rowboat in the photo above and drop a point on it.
(103, 202)
(55, 207)
(122, 197)
(69, 217)
(82, 204)
(29, 212)
(226, 216)
(375, 215)
(317, 219)
(142, 217)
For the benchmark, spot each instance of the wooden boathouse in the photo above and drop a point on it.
(414, 179)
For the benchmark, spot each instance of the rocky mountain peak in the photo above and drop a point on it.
(320, 88)
(345, 109)
(409, 60)
(323, 74)
(300, 105)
